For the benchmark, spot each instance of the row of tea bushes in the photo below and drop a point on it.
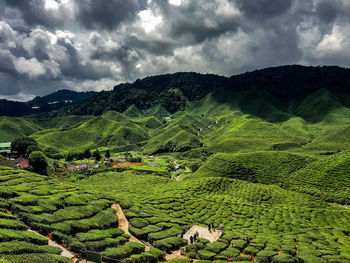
(77, 219)
(17, 245)
(284, 218)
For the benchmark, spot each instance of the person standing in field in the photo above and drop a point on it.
(209, 227)
(250, 259)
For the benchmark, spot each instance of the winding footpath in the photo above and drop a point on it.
(124, 225)
(65, 252)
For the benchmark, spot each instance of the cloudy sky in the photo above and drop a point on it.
(47, 45)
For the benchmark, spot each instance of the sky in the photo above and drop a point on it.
(48, 45)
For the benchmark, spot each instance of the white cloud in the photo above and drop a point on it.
(149, 20)
(31, 67)
(331, 43)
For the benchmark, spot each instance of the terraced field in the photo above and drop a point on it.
(276, 220)
(77, 219)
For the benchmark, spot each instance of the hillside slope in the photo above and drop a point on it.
(110, 129)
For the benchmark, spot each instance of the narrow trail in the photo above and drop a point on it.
(124, 225)
(65, 252)
(174, 255)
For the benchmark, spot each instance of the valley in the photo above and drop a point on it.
(270, 164)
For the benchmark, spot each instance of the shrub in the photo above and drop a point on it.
(76, 246)
(231, 235)
(174, 231)
(238, 243)
(216, 247)
(230, 252)
(170, 243)
(61, 238)
(95, 235)
(20, 247)
(159, 254)
(139, 222)
(208, 255)
(251, 250)
(265, 256)
(11, 235)
(311, 259)
(124, 251)
(37, 258)
(12, 224)
(284, 258)
(101, 245)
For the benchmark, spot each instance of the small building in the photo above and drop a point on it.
(5, 147)
(21, 162)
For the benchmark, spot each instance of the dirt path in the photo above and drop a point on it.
(174, 255)
(65, 252)
(124, 225)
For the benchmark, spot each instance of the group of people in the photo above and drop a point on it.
(211, 227)
(194, 238)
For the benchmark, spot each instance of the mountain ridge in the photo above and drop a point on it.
(43, 104)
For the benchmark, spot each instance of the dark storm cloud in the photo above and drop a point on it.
(34, 13)
(73, 68)
(327, 11)
(107, 14)
(154, 47)
(196, 21)
(264, 9)
(90, 44)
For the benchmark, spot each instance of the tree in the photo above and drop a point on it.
(87, 154)
(21, 145)
(107, 154)
(38, 161)
(31, 148)
(97, 155)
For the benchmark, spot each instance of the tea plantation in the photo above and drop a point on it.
(77, 219)
(305, 228)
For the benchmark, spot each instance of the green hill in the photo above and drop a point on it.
(181, 134)
(110, 129)
(327, 178)
(132, 111)
(11, 128)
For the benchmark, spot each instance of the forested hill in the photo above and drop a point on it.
(281, 87)
(294, 81)
(170, 93)
(45, 104)
(284, 87)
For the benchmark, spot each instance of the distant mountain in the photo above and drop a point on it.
(162, 95)
(45, 104)
(278, 89)
(282, 87)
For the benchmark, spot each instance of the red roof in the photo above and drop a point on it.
(23, 164)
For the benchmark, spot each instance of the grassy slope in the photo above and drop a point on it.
(180, 134)
(12, 128)
(327, 178)
(111, 128)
